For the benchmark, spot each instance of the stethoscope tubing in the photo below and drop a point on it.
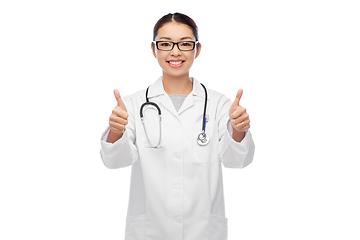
(203, 138)
(204, 115)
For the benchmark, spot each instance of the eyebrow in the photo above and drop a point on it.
(183, 38)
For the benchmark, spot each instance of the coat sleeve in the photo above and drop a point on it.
(232, 154)
(123, 152)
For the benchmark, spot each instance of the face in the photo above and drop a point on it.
(175, 63)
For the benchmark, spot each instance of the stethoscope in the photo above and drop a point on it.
(202, 138)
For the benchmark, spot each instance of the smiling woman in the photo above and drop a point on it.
(176, 47)
(176, 184)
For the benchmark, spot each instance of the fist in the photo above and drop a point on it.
(118, 119)
(239, 118)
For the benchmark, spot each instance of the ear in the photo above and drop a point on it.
(198, 49)
(153, 49)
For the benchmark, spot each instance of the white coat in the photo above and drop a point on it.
(176, 191)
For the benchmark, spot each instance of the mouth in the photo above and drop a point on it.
(175, 63)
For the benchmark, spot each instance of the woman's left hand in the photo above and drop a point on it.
(238, 116)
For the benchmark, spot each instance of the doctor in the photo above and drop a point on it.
(176, 190)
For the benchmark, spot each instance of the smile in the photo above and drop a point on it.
(175, 64)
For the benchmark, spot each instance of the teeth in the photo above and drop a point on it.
(176, 63)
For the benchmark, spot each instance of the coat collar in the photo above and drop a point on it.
(157, 92)
(157, 89)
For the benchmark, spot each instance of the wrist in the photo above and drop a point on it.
(238, 136)
(114, 136)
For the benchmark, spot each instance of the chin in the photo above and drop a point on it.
(176, 74)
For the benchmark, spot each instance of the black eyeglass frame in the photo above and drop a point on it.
(175, 43)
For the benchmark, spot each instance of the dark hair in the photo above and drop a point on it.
(176, 17)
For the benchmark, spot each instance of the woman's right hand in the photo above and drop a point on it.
(118, 119)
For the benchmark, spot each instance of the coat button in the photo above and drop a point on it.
(177, 156)
(178, 219)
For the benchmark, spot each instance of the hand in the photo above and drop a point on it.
(239, 118)
(119, 116)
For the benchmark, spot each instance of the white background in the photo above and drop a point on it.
(297, 61)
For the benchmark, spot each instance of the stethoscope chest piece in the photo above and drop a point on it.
(203, 139)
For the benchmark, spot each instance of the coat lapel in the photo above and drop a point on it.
(158, 95)
(188, 103)
(198, 91)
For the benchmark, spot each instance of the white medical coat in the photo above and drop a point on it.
(176, 191)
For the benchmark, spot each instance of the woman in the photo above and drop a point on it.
(176, 187)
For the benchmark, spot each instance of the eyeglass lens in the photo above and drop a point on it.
(167, 46)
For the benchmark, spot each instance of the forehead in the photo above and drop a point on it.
(175, 31)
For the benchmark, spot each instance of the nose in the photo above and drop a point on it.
(176, 51)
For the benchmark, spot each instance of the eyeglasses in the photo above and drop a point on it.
(182, 46)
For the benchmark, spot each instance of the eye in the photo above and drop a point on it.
(186, 44)
(164, 44)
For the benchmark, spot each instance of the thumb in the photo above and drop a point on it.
(120, 102)
(237, 98)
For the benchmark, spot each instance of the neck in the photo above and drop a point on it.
(177, 85)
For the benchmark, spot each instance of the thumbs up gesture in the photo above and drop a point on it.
(118, 119)
(239, 118)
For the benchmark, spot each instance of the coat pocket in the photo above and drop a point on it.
(135, 227)
(217, 228)
(205, 154)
